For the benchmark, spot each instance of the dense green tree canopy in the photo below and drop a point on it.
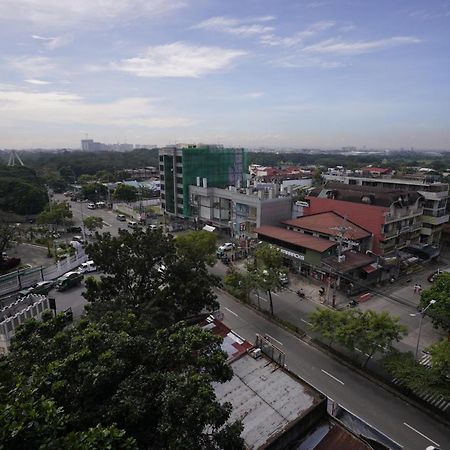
(200, 245)
(93, 223)
(125, 193)
(94, 192)
(370, 332)
(132, 372)
(56, 214)
(440, 310)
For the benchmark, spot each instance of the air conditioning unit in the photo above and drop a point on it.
(256, 353)
(341, 258)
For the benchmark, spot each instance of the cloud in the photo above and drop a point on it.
(253, 95)
(179, 60)
(61, 13)
(53, 43)
(32, 66)
(37, 82)
(62, 108)
(339, 47)
(299, 37)
(239, 27)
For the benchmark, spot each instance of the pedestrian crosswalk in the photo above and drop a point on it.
(428, 395)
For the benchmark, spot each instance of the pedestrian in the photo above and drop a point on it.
(419, 289)
(416, 288)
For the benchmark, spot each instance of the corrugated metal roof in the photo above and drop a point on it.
(328, 223)
(295, 238)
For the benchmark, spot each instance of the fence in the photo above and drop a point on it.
(25, 278)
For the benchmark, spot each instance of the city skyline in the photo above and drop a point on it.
(307, 74)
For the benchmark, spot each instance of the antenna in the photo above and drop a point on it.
(342, 230)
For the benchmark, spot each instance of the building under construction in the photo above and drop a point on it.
(209, 165)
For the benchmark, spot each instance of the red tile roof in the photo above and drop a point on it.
(328, 223)
(295, 238)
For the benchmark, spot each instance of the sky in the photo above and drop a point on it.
(250, 73)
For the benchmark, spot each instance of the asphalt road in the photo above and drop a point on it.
(405, 424)
(402, 422)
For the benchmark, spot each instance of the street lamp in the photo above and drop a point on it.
(422, 315)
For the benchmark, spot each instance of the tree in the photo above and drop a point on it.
(125, 193)
(440, 310)
(7, 234)
(370, 332)
(93, 223)
(200, 245)
(326, 322)
(55, 214)
(145, 273)
(94, 191)
(440, 360)
(157, 387)
(267, 269)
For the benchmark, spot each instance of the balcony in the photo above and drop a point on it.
(399, 215)
(441, 195)
(435, 220)
(390, 234)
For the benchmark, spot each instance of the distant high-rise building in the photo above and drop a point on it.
(183, 165)
(89, 145)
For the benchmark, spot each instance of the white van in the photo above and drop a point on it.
(132, 224)
(87, 267)
(100, 204)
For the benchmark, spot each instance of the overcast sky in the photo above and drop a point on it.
(317, 73)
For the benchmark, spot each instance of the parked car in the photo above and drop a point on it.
(91, 205)
(87, 267)
(42, 287)
(225, 248)
(74, 229)
(78, 239)
(68, 280)
(284, 279)
(100, 205)
(121, 218)
(132, 224)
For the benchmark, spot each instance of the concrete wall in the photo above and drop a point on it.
(273, 211)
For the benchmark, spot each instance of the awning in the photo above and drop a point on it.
(370, 268)
(209, 228)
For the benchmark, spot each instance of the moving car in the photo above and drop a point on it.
(121, 218)
(132, 224)
(86, 267)
(74, 229)
(100, 205)
(42, 287)
(68, 280)
(91, 205)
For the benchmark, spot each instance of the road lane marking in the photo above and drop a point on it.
(305, 321)
(107, 224)
(274, 293)
(273, 339)
(332, 376)
(232, 312)
(262, 298)
(418, 432)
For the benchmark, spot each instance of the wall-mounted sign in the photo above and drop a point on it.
(292, 254)
(304, 204)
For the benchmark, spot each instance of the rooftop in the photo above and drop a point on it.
(353, 260)
(266, 398)
(329, 223)
(295, 238)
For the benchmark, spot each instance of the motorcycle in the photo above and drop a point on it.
(300, 293)
(352, 304)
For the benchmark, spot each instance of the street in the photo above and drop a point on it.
(402, 422)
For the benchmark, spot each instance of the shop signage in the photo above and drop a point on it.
(292, 254)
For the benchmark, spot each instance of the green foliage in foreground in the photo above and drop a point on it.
(133, 373)
(370, 332)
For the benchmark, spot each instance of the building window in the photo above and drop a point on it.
(179, 170)
(179, 159)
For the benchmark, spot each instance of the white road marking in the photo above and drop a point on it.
(273, 339)
(262, 298)
(332, 376)
(274, 293)
(107, 224)
(232, 312)
(418, 432)
(305, 321)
